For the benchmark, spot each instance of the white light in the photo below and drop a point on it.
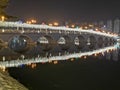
(3, 58)
(24, 40)
(36, 26)
(3, 30)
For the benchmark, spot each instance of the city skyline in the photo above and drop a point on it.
(64, 10)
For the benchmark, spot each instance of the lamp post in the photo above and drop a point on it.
(3, 18)
(56, 23)
(31, 21)
(50, 24)
(73, 26)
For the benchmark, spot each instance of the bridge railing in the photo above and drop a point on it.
(47, 27)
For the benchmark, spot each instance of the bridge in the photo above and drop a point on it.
(21, 36)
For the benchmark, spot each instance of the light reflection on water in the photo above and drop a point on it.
(80, 69)
(13, 59)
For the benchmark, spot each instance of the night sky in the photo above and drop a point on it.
(64, 10)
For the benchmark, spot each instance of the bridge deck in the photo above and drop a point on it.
(37, 27)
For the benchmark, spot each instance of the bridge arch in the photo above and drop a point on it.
(111, 41)
(64, 42)
(91, 42)
(43, 40)
(92, 39)
(106, 41)
(1, 41)
(100, 42)
(1, 44)
(80, 41)
(20, 43)
(76, 41)
(46, 42)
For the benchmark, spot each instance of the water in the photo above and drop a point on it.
(78, 70)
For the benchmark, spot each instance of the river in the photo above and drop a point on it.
(91, 68)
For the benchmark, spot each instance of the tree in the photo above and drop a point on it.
(3, 5)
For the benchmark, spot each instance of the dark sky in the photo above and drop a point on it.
(64, 10)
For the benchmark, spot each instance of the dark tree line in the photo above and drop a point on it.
(3, 5)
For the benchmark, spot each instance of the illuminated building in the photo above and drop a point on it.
(109, 26)
(117, 26)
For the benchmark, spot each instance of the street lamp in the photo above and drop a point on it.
(67, 26)
(28, 22)
(31, 21)
(73, 26)
(3, 18)
(50, 24)
(56, 24)
(86, 27)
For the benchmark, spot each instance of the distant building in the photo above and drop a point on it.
(109, 26)
(117, 26)
(101, 24)
(115, 55)
(95, 24)
(108, 56)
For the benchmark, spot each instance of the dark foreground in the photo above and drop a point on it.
(81, 74)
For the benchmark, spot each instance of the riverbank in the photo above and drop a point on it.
(9, 83)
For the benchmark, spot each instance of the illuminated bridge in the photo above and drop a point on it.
(21, 36)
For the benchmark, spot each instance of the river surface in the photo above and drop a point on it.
(91, 68)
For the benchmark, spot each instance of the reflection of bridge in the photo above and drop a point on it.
(19, 36)
(38, 59)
